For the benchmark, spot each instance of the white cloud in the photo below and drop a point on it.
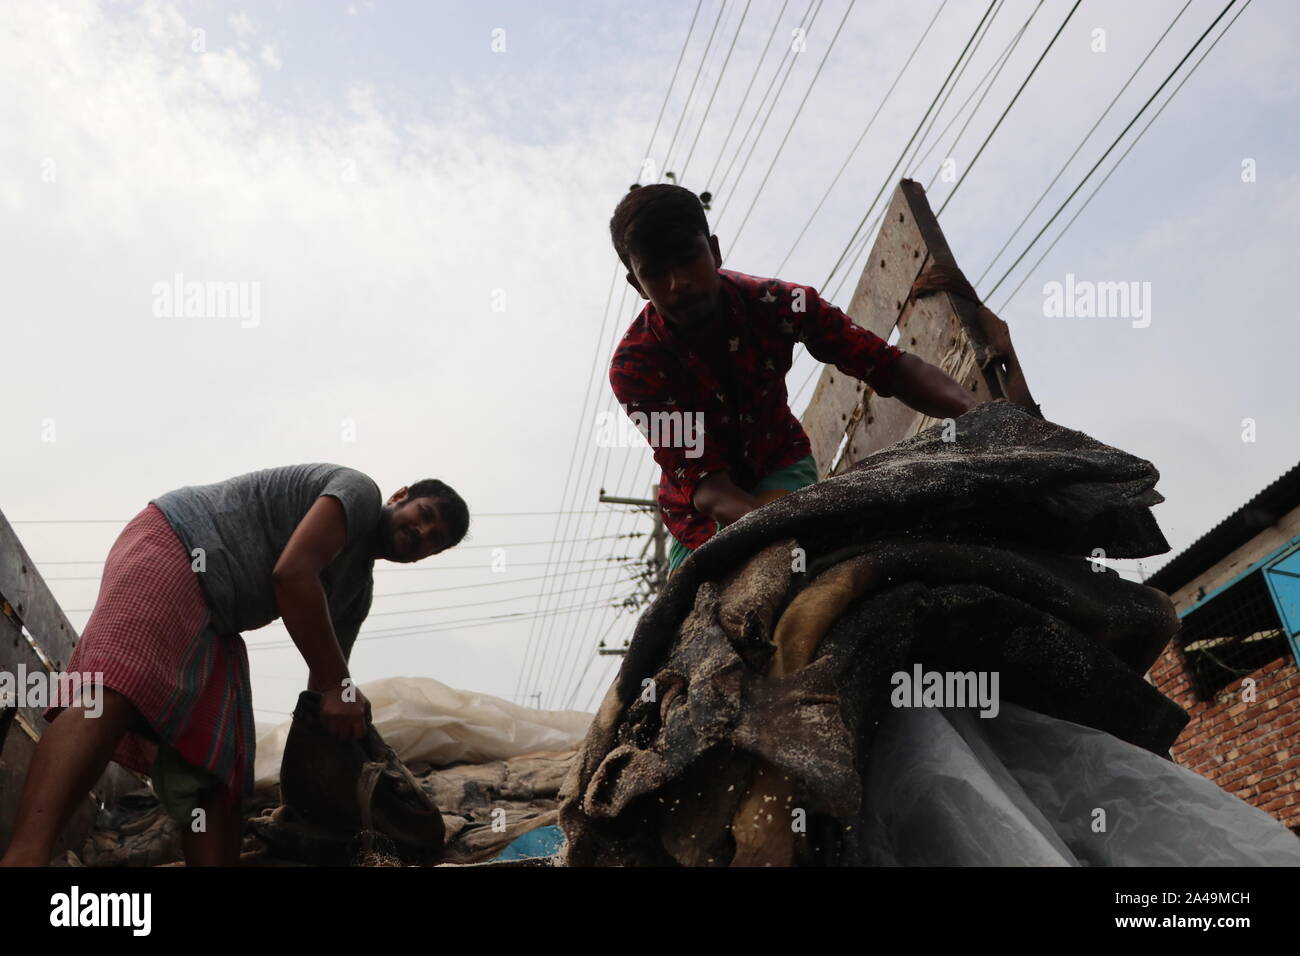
(377, 244)
(230, 75)
(242, 26)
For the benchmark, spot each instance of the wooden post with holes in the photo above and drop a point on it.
(35, 633)
(846, 421)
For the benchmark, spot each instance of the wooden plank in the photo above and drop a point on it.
(878, 300)
(946, 329)
(932, 331)
(37, 610)
(988, 335)
(15, 754)
(15, 651)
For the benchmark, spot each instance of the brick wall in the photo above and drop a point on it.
(1250, 749)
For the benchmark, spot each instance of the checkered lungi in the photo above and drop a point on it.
(150, 635)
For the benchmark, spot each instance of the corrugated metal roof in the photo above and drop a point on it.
(1232, 532)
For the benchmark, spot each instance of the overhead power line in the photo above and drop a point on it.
(806, 22)
(972, 43)
(691, 92)
(735, 237)
(890, 175)
(986, 84)
(1113, 144)
(709, 106)
(578, 469)
(983, 88)
(708, 180)
(861, 137)
(672, 82)
(418, 630)
(1086, 136)
(1034, 69)
(473, 515)
(621, 561)
(505, 580)
(867, 234)
(1124, 154)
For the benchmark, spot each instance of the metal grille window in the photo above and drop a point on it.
(1232, 635)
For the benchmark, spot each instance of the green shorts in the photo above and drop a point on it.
(180, 786)
(790, 478)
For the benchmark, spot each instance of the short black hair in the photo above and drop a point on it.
(651, 221)
(454, 508)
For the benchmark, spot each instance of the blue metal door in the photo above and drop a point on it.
(1283, 577)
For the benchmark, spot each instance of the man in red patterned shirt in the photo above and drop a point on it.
(701, 372)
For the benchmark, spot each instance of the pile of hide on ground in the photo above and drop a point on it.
(483, 808)
(474, 798)
(740, 725)
(491, 768)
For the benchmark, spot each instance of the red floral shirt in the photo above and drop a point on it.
(737, 392)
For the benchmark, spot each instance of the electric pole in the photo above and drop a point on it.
(659, 568)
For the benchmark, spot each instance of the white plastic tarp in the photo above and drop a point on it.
(422, 719)
(947, 787)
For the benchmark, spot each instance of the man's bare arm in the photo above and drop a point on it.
(929, 389)
(304, 608)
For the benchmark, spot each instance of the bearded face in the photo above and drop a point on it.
(411, 529)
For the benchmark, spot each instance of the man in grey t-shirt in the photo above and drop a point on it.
(237, 530)
(297, 543)
(268, 544)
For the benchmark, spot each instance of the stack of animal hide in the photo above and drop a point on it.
(741, 724)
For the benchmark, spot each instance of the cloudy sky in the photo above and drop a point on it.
(413, 198)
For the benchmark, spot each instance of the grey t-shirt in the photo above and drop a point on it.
(243, 524)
